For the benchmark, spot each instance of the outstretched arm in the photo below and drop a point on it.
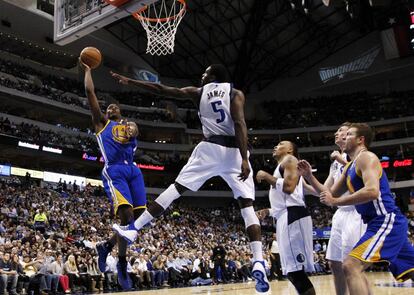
(192, 93)
(309, 190)
(240, 130)
(305, 170)
(98, 118)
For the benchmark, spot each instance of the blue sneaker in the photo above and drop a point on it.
(123, 276)
(102, 255)
(259, 274)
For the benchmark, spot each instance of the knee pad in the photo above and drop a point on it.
(300, 280)
(168, 196)
(249, 216)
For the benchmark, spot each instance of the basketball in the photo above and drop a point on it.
(91, 56)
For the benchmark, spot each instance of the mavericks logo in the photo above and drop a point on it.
(145, 75)
(300, 258)
(359, 65)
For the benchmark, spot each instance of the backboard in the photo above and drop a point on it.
(74, 19)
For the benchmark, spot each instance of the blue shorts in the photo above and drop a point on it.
(386, 240)
(124, 185)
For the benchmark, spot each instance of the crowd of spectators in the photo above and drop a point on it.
(333, 110)
(174, 161)
(33, 133)
(307, 111)
(158, 115)
(49, 238)
(71, 92)
(279, 114)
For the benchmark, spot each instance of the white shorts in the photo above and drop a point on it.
(347, 229)
(295, 244)
(209, 160)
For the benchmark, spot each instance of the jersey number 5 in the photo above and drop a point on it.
(217, 110)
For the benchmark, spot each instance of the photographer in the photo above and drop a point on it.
(219, 259)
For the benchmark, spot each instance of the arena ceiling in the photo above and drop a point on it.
(259, 41)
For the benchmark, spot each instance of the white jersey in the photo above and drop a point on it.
(214, 110)
(347, 226)
(336, 170)
(293, 228)
(279, 201)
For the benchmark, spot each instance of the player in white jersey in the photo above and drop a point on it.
(347, 225)
(223, 152)
(294, 223)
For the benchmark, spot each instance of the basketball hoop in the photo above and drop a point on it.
(161, 25)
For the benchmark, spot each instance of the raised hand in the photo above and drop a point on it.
(261, 175)
(304, 168)
(335, 155)
(121, 79)
(131, 129)
(83, 65)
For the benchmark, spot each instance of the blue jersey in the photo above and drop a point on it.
(122, 180)
(116, 147)
(386, 236)
(383, 205)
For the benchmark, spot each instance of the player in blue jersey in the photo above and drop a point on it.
(122, 179)
(386, 236)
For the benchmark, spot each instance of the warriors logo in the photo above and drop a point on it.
(119, 134)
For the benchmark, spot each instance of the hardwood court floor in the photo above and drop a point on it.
(383, 284)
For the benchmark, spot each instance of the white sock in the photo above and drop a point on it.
(168, 196)
(257, 251)
(145, 218)
(164, 200)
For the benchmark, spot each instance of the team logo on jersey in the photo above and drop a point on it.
(119, 134)
(300, 258)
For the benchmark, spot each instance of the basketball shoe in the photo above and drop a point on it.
(259, 274)
(129, 235)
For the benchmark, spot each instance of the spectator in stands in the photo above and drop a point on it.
(71, 270)
(143, 273)
(8, 275)
(94, 273)
(276, 268)
(200, 273)
(57, 269)
(174, 273)
(161, 275)
(219, 259)
(317, 247)
(111, 272)
(52, 280)
(183, 265)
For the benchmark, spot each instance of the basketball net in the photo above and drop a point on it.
(161, 23)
